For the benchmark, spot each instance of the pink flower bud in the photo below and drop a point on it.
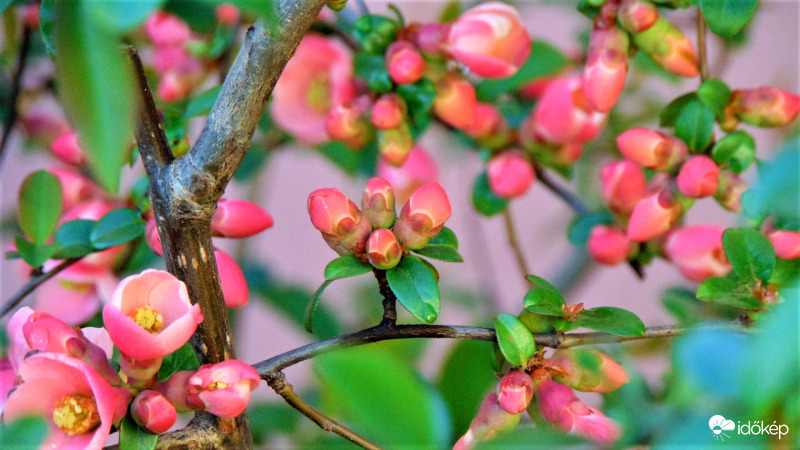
(388, 111)
(395, 144)
(624, 184)
(348, 123)
(653, 216)
(606, 67)
(153, 412)
(730, 190)
(490, 420)
(430, 37)
(383, 249)
(75, 188)
(342, 225)
(669, 47)
(227, 14)
(565, 411)
(377, 202)
(510, 174)
(150, 315)
(786, 243)
(223, 389)
(152, 238)
(765, 106)
(608, 245)
(490, 128)
(239, 219)
(455, 102)
(651, 149)
(234, 285)
(589, 370)
(699, 177)
(7, 381)
(515, 391)
(404, 63)
(31, 15)
(166, 29)
(490, 40)
(173, 87)
(564, 114)
(697, 251)
(175, 388)
(423, 216)
(418, 170)
(67, 149)
(637, 15)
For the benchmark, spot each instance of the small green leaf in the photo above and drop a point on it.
(122, 16)
(515, 340)
(346, 266)
(750, 253)
(25, 432)
(612, 320)
(737, 150)
(715, 94)
(416, 288)
(201, 105)
(419, 98)
(785, 272)
(695, 125)
(372, 69)
(544, 59)
(728, 292)
(265, 9)
(183, 358)
(440, 252)
(446, 237)
(34, 254)
(133, 437)
(40, 202)
(73, 239)
(116, 227)
(670, 113)
(375, 33)
(4, 4)
(484, 199)
(313, 306)
(581, 226)
(727, 17)
(544, 298)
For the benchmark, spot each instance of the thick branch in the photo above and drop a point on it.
(33, 283)
(568, 197)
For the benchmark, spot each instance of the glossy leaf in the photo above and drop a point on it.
(372, 69)
(750, 253)
(346, 266)
(73, 239)
(729, 292)
(445, 237)
(116, 227)
(183, 358)
(32, 253)
(727, 17)
(134, 437)
(463, 390)
(515, 340)
(419, 98)
(313, 305)
(25, 432)
(544, 298)
(715, 94)
(695, 125)
(40, 202)
(441, 252)
(416, 288)
(669, 115)
(581, 226)
(736, 150)
(201, 105)
(612, 320)
(484, 199)
(544, 60)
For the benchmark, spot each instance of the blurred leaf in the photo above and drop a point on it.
(776, 192)
(728, 292)
(451, 11)
(527, 436)
(612, 320)
(750, 253)
(353, 162)
(715, 95)
(695, 125)
(201, 104)
(737, 150)
(688, 310)
(544, 298)
(47, 17)
(711, 360)
(34, 254)
(96, 88)
(465, 379)
(545, 59)
(416, 288)
(419, 98)
(183, 358)
(581, 226)
(73, 239)
(40, 202)
(515, 340)
(372, 69)
(484, 200)
(311, 310)
(785, 272)
(270, 418)
(25, 432)
(4, 4)
(346, 266)
(199, 14)
(727, 17)
(133, 437)
(669, 115)
(116, 227)
(121, 16)
(375, 33)
(265, 9)
(378, 394)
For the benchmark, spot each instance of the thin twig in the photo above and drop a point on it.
(389, 299)
(16, 88)
(277, 381)
(569, 198)
(362, 7)
(33, 283)
(513, 242)
(702, 47)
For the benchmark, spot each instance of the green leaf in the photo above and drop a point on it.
(4, 4)
(612, 320)
(695, 125)
(416, 288)
(270, 418)
(750, 253)
(544, 60)
(183, 358)
(34, 254)
(313, 305)
(464, 390)
(96, 88)
(776, 192)
(73, 239)
(116, 227)
(372, 69)
(729, 292)
(446, 237)
(544, 298)
(785, 272)
(47, 17)
(581, 226)
(440, 252)
(524, 436)
(40, 202)
(515, 340)
(419, 98)
(670, 113)
(133, 437)
(121, 16)
(346, 266)
(715, 94)
(25, 432)
(201, 105)
(265, 9)
(375, 33)
(199, 14)
(483, 198)
(736, 150)
(727, 17)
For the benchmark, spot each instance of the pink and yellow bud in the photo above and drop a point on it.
(490, 128)
(564, 114)
(404, 62)
(699, 177)
(153, 412)
(510, 174)
(562, 408)
(515, 391)
(418, 170)
(383, 249)
(377, 202)
(348, 123)
(608, 245)
(652, 149)
(175, 389)
(342, 225)
(730, 190)
(697, 251)
(239, 219)
(624, 184)
(423, 216)
(455, 102)
(637, 15)
(669, 47)
(785, 242)
(67, 149)
(231, 278)
(222, 389)
(606, 67)
(490, 421)
(490, 40)
(653, 216)
(388, 112)
(395, 144)
(765, 106)
(589, 371)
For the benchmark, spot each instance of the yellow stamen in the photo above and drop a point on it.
(76, 414)
(318, 96)
(217, 385)
(149, 319)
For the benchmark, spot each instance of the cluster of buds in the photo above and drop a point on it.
(375, 233)
(179, 71)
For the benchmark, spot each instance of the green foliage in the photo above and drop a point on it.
(544, 60)
(375, 33)
(669, 115)
(313, 305)
(372, 69)
(688, 310)
(736, 150)
(199, 14)
(351, 161)
(122, 16)
(465, 379)
(544, 298)
(414, 284)
(26, 432)
(201, 104)
(443, 247)
(581, 226)
(265, 9)
(346, 266)
(73, 239)
(484, 200)
(694, 125)
(116, 227)
(419, 99)
(34, 254)
(515, 340)
(612, 320)
(776, 192)
(40, 202)
(270, 418)
(726, 291)
(750, 253)
(134, 437)
(715, 94)
(183, 358)
(727, 17)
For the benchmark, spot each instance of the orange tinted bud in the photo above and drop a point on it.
(765, 106)
(455, 102)
(589, 370)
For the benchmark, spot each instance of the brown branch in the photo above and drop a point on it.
(33, 283)
(16, 88)
(568, 197)
(513, 242)
(277, 381)
(389, 299)
(702, 47)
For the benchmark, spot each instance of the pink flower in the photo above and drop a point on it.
(765, 106)
(75, 401)
(175, 388)
(637, 15)
(699, 177)
(490, 128)
(423, 216)
(624, 184)
(490, 420)
(430, 37)
(153, 412)
(75, 188)
(7, 381)
(418, 170)
(653, 216)
(234, 285)
(152, 238)
(67, 149)
(377, 202)
(455, 102)
(388, 111)
(404, 62)
(490, 40)
(564, 114)
(223, 389)
(343, 226)
(606, 67)
(515, 391)
(383, 249)
(786, 243)
(651, 149)
(239, 219)
(318, 77)
(608, 245)
(669, 47)
(697, 251)
(347, 122)
(166, 30)
(561, 407)
(510, 174)
(150, 315)
(75, 294)
(18, 346)
(589, 370)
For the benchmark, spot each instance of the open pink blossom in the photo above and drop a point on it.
(223, 389)
(150, 315)
(76, 402)
(564, 114)
(697, 251)
(75, 294)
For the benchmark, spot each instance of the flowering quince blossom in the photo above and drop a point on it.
(510, 174)
(75, 294)
(419, 169)
(589, 370)
(223, 389)
(150, 315)
(7, 378)
(565, 411)
(153, 412)
(343, 226)
(234, 286)
(564, 114)
(515, 391)
(239, 219)
(606, 67)
(377, 202)
(67, 149)
(423, 216)
(786, 243)
(624, 184)
(490, 420)
(697, 251)
(608, 245)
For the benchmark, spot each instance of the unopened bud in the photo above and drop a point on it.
(637, 15)
(785, 242)
(455, 102)
(515, 391)
(561, 407)
(765, 106)
(67, 149)
(347, 122)
(395, 144)
(653, 216)
(669, 47)
(342, 225)
(153, 412)
(624, 184)
(377, 202)
(383, 249)
(589, 370)
(730, 190)
(423, 216)
(152, 238)
(490, 129)
(404, 62)
(231, 278)
(606, 67)
(652, 149)
(699, 177)
(608, 245)
(490, 421)
(510, 174)
(697, 251)
(227, 14)
(239, 219)
(388, 112)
